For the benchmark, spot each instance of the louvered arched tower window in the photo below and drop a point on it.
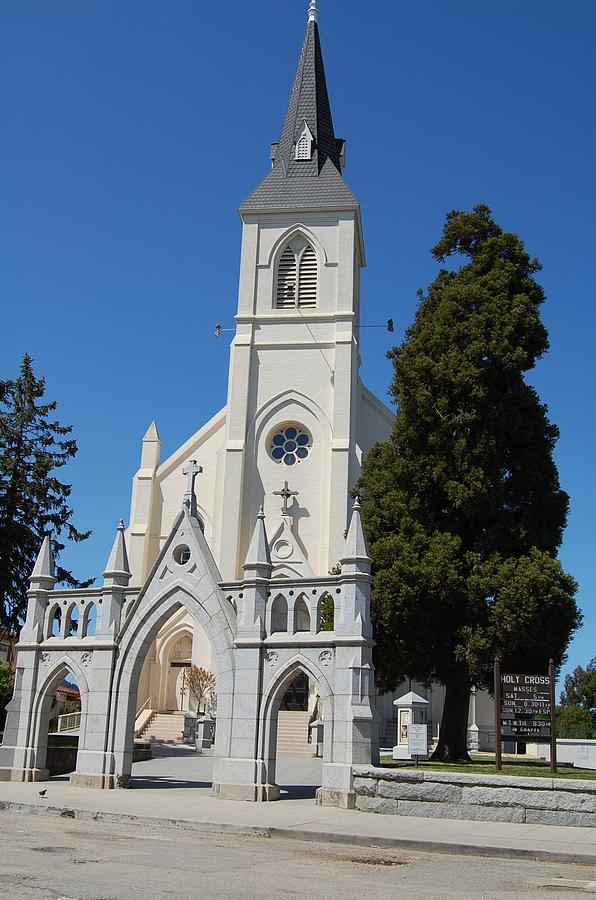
(297, 276)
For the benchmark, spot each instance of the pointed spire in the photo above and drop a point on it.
(356, 549)
(43, 575)
(309, 102)
(150, 448)
(311, 178)
(117, 568)
(258, 556)
(151, 434)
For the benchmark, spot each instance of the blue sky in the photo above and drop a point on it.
(132, 130)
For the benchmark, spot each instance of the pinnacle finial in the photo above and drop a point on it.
(117, 565)
(313, 11)
(356, 549)
(258, 555)
(43, 574)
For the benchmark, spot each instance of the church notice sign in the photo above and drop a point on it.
(525, 710)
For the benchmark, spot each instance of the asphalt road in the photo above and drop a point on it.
(60, 859)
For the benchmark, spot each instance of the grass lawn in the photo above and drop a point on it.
(484, 764)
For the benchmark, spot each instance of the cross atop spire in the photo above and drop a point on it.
(191, 470)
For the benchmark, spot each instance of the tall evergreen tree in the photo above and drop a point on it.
(462, 505)
(33, 501)
(579, 690)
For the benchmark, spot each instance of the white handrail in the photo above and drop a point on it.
(148, 704)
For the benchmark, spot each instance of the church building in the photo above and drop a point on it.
(245, 554)
(298, 419)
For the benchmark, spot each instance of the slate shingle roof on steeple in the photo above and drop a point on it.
(317, 181)
(309, 102)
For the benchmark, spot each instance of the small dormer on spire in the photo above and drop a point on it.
(313, 11)
(43, 577)
(117, 569)
(304, 144)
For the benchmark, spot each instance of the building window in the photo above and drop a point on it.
(290, 444)
(297, 276)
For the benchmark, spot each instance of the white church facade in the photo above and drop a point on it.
(227, 558)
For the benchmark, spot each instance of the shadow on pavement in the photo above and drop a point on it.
(137, 782)
(298, 791)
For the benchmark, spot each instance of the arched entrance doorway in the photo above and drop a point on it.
(179, 659)
(295, 698)
(137, 641)
(293, 701)
(58, 723)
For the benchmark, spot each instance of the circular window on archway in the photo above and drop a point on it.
(181, 554)
(290, 444)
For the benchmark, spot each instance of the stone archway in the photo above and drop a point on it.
(39, 720)
(270, 707)
(136, 640)
(253, 662)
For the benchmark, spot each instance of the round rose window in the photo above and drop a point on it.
(290, 444)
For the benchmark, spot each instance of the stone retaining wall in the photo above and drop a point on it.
(498, 798)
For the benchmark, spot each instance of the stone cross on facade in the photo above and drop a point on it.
(191, 471)
(286, 493)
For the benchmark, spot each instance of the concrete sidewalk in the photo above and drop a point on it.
(174, 789)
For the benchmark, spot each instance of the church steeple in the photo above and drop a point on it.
(308, 158)
(308, 104)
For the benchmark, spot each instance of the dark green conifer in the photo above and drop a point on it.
(462, 506)
(33, 501)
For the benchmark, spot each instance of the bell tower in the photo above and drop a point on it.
(293, 391)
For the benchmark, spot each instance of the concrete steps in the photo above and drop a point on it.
(164, 728)
(292, 733)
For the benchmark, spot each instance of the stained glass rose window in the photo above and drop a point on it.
(290, 444)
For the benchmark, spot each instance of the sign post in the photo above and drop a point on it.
(553, 721)
(497, 691)
(418, 741)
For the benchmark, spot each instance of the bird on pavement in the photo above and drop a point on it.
(43, 793)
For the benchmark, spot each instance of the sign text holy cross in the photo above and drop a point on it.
(286, 493)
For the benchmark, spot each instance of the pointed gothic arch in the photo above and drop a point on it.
(53, 625)
(297, 275)
(271, 703)
(325, 612)
(302, 621)
(177, 634)
(209, 610)
(290, 405)
(296, 230)
(73, 624)
(89, 620)
(41, 712)
(279, 615)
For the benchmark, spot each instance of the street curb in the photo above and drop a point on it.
(296, 834)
